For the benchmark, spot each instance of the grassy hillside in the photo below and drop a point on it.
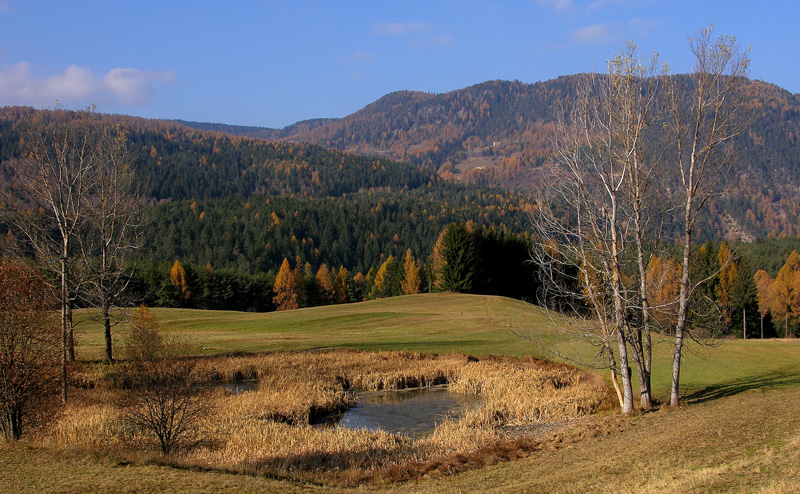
(739, 431)
(468, 324)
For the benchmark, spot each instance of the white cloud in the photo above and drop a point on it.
(135, 87)
(594, 34)
(569, 7)
(643, 27)
(402, 28)
(603, 4)
(444, 41)
(598, 5)
(423, 42)
(361, 57)
(76, 84)
(557, 5)
(419, 34)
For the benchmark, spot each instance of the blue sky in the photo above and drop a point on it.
(273, 63)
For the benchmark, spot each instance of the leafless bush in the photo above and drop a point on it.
(164, 398)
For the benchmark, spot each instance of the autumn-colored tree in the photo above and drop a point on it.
(663, 285)
(593, 288)
(728, 273)
(341, 286)
(145, 340)
(786, 292)
(325, 290)
(177, 276)
(411, 280)
(387, 281)
(285, 288)
(437, 261)
(29, 347)
(369, 282)
(360, 284)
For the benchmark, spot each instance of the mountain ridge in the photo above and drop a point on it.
(493, 133)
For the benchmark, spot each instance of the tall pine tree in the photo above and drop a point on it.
(457, 269)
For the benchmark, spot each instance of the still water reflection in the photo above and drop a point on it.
(414, 412)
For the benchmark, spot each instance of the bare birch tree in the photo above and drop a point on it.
(633, 90)
(113, 233)
(74, 200)
(48, 200)
(583, 223)
(598, 211)
(706, 115)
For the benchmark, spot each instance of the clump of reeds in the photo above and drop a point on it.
(267, 431)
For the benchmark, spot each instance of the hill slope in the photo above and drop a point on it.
(178, 163)
(499, 132)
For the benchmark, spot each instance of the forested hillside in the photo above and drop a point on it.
(355, 230)
(226, 215)
(234, 203)
(500, 132)
(175, 163)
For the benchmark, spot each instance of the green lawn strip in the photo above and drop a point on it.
(469, 324)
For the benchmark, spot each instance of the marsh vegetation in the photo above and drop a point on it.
(268, 431)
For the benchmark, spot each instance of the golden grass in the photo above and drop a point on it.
(267, 431)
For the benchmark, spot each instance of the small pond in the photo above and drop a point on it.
(414, 412)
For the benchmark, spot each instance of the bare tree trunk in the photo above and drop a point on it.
(49, 198)
(683, 304)
(70, 330)
(744, 322)
(625, 371)
(64, 328)
(113, 211)
(643, 333)
(107, 330)
(712, 120)
(612, 364)
(619, 312)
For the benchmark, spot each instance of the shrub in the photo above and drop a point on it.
(29, 348)
(164, 398)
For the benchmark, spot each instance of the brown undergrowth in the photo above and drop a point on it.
(267, 431)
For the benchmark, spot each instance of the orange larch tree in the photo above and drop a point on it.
(285, 288)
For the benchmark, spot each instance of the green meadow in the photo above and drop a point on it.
(469, 324)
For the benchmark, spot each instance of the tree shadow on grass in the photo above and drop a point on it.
(780, 378)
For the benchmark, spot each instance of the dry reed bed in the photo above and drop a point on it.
(267, 431)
